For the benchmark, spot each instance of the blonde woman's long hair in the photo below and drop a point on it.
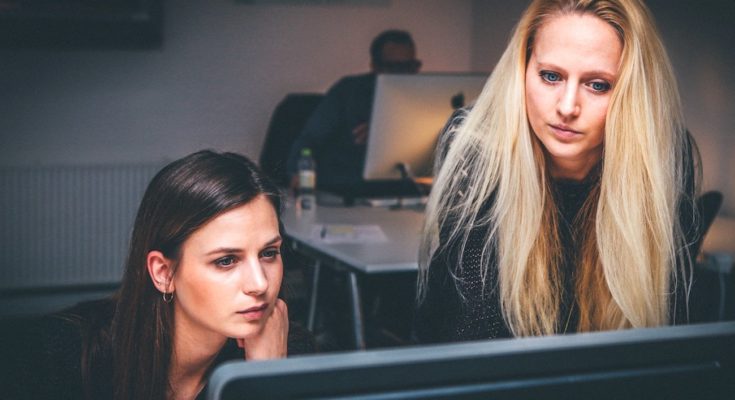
(631, 237)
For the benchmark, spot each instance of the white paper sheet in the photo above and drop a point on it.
(343, 233)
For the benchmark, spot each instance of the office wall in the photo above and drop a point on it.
(700, 37)
(492, 27)
(223, 68)
(225, 65)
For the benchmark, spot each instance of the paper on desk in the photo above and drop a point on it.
(342, 233)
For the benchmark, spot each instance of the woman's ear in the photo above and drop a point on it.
(160, 268)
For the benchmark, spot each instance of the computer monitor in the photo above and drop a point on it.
(408, 113)
(683, 362)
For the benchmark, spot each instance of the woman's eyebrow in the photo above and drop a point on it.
(273, 241)
(221, 250)
(225, 250)
(595, 72)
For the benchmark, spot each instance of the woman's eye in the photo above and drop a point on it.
(270, 253)
(549, 76)
(600, 86)
(226, 261)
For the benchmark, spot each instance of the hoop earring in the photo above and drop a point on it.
(169, 298)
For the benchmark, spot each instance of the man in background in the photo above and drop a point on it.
(337, 134)
(337, 131)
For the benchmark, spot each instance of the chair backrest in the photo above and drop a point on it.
(286, 123)
(708, 205)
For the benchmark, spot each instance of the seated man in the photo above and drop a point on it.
(337, 130)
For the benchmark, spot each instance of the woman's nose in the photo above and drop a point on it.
(254, 280)
(568, 104)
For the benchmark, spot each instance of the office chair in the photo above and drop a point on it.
(286, 123)
(708, 291)
(288, 119)
(708, 205)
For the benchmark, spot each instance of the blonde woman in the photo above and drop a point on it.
(564, 197)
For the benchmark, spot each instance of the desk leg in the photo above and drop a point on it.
(356, 312)
(313, 296)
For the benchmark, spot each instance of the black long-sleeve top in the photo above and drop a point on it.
(49, 366)
(464, 308)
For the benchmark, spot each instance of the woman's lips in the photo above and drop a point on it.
(254, 313)
(564, 132)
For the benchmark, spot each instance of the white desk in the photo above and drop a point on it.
(399, 253)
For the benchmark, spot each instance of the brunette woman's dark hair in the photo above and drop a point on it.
(181, 198)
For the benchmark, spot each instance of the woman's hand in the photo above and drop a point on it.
(272, 341)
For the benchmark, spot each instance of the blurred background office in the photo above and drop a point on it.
(213, 82)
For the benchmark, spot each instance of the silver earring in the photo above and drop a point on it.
(169, 298)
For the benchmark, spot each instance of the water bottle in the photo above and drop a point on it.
(306, 199)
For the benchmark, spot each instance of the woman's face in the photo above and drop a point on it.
(569, 80)
(230, 273)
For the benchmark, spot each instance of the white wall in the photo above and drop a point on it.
(223, 68)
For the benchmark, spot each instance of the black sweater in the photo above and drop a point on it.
(462, 308)
(49, 367)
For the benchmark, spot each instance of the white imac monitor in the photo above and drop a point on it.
(408, 113)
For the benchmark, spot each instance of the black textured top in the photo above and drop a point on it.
(50, 367)
(462, 309)
(465, 308)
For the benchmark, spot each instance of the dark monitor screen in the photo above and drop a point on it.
(684, 362)
(80, 24)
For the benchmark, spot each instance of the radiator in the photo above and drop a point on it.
(68, 225)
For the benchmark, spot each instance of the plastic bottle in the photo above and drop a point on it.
(306, 199)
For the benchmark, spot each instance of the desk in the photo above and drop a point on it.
(399, 253)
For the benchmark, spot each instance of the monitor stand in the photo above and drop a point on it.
(409, 179)
(405, 187)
